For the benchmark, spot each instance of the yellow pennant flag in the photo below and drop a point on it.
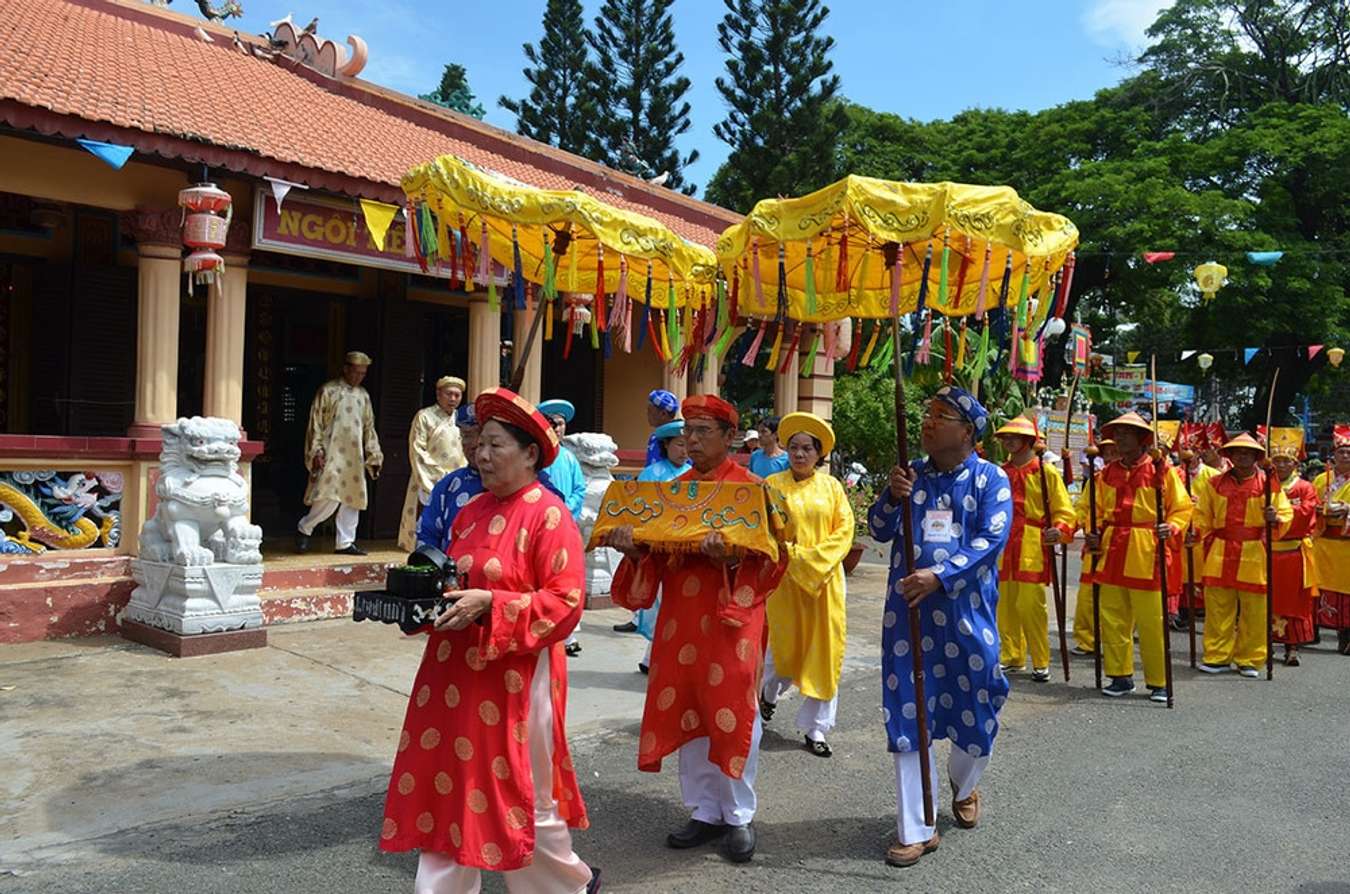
(378, 218)
(1131, 356)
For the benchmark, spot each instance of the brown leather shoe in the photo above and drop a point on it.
(908, 854)
(966, 812)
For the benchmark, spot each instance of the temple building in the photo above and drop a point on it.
(108, 108)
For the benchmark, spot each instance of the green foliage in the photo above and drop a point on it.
(782, 120)
(864, 418)
(563, 105)
(454, 92)
(642, 109)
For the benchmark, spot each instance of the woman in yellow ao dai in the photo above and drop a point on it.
(806, 612)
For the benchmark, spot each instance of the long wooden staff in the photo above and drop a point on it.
(1185, 456)
(1270, 540)
(907, 532)
(1049, 553)
(1091, 452)
(1159, 479)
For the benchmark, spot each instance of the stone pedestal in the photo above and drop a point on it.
(194, 599)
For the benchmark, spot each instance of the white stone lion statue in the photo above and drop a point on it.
(202, 516)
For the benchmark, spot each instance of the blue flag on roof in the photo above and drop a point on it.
(113, 154)
(1264, 258)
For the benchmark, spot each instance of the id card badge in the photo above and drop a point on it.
(937, 526)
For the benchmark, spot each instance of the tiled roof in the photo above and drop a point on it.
(125, 67)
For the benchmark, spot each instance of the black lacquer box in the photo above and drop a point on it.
(413, 594)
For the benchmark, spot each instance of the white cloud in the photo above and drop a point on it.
(1121, 23)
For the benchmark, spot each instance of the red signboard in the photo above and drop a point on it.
(332, 229)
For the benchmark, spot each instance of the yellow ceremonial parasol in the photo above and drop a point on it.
(564, 241)
(868, 248)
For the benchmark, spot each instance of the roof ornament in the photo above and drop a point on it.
(226, 10)
(319, 53)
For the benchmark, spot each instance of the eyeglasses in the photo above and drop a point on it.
(700, 431)
(939, 413)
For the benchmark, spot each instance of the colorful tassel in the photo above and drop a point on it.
(781, 307)
(572, 269)
(777, 346)
(947, 352)
(897, 270)
(1065, 285)
(961, 346)
(856, 347)
(443, 241)
(517, 271)
(830, 336)
(416, 241)
(671, 338)
(954, 300)
(753, 352)
(841, 272)
(645, 326)
(723, 342)
(809, 364)
(494, 303)
(1022, 295)
(548, 321)
(866, 359)
(810, 273)
(408, 232)
(668, 335)
(732, 299)
(623, 311)
(885, 348)
(942, 268)
(598, 313)
(464, 266)
(984, 281)
(923, 280)
(759, 282)
(456, 281)
(786, 359)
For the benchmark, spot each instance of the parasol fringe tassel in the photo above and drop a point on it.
(984, 281)
(484, 255)
(866, 359)
(517, 271)
(810, 274)
(942, 267)
(623, 308)
(465, 266)
(786, 360)
(841, 272)
(856, 346)
(598, 319)
(759, 282)
(897, 271)
(672, 330)
(645, 326)
(756, 342)
(772, 364)
(809, 365)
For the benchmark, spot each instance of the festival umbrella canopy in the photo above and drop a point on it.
(868, 248)
(566, 242)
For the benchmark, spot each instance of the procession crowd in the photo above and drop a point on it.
(482, 776)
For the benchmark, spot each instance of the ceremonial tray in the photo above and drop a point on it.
(675, 516)
(414, 593)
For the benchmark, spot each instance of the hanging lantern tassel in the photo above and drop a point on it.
(517, 270)
(645, 326)
(810, 281)
(866, 359)
(855, 346)
(809, 364)
(753, 352)
(465, 267)
(983, 293)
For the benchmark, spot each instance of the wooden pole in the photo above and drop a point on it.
(1091, 453)
(1057, 591)
(1159, 479)
(1270, 538)
(907, 534)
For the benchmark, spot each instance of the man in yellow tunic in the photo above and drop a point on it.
(1231, 516)
(341, 447)
(806, 612)
(1130, 533)
(1191, 443)
(434, 451)
(1331, 546)
(1023, 572)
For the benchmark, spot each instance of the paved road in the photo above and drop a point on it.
(1241, 788)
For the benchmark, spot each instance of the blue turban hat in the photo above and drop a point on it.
(964, 402)
(664, 400)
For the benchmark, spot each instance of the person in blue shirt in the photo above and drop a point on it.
(453, 491)
(566, 476)
(770, 457)
(961, 513)
(662, 407)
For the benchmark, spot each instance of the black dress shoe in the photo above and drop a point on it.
(625, 627)
(766, 709)
(352, 550)
(694, 833)
(739, 844)
(301, 542)
(593, 886)
(572, 649)
(643, 669)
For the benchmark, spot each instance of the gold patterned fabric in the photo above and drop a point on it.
(874, 212)
(675, 516)
(458, 191)
(342, 427)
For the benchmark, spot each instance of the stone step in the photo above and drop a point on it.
(61, 567)
(86, 606)
(307, 604)
(356, 575)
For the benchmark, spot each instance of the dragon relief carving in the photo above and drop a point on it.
(202, 516)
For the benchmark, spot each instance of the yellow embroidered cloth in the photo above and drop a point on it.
(675, 516)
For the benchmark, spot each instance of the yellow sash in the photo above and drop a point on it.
(675, 516)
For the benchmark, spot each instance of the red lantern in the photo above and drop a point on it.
(207, 210)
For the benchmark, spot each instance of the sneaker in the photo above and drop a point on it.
(1081, 652)
(1119, 686)
(1040, 674)
(1214, 668)
(1157, 694)
(1011, 669)
(1248, 671)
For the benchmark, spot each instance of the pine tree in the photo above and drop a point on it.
(454, 92)
(636, 58)
(563, 105)
(783, 119)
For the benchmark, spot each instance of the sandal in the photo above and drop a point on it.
(766, 709)
(1291, 659)
(819, 749)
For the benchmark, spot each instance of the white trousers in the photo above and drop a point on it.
(556, 868)
(815, 718)
(965, 771)
(713, 796)
(347, 517)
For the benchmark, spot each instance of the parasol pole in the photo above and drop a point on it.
(1270, 554)
(1159, 476)
(1186, 456)
(518, 375)
(907, 530)
(1048, 550)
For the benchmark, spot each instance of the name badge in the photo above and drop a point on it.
(937, 526)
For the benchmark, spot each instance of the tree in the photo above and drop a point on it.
(563, 106)
(454, 92)
(634, 43)
(783, 118)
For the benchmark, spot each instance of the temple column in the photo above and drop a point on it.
(676, 384)
(711, 380)
(158, 236)
(815, 392)
(223, 386)
(485, 346)
(785, 387)
(530, 384)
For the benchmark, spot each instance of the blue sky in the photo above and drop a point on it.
(922, 61)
